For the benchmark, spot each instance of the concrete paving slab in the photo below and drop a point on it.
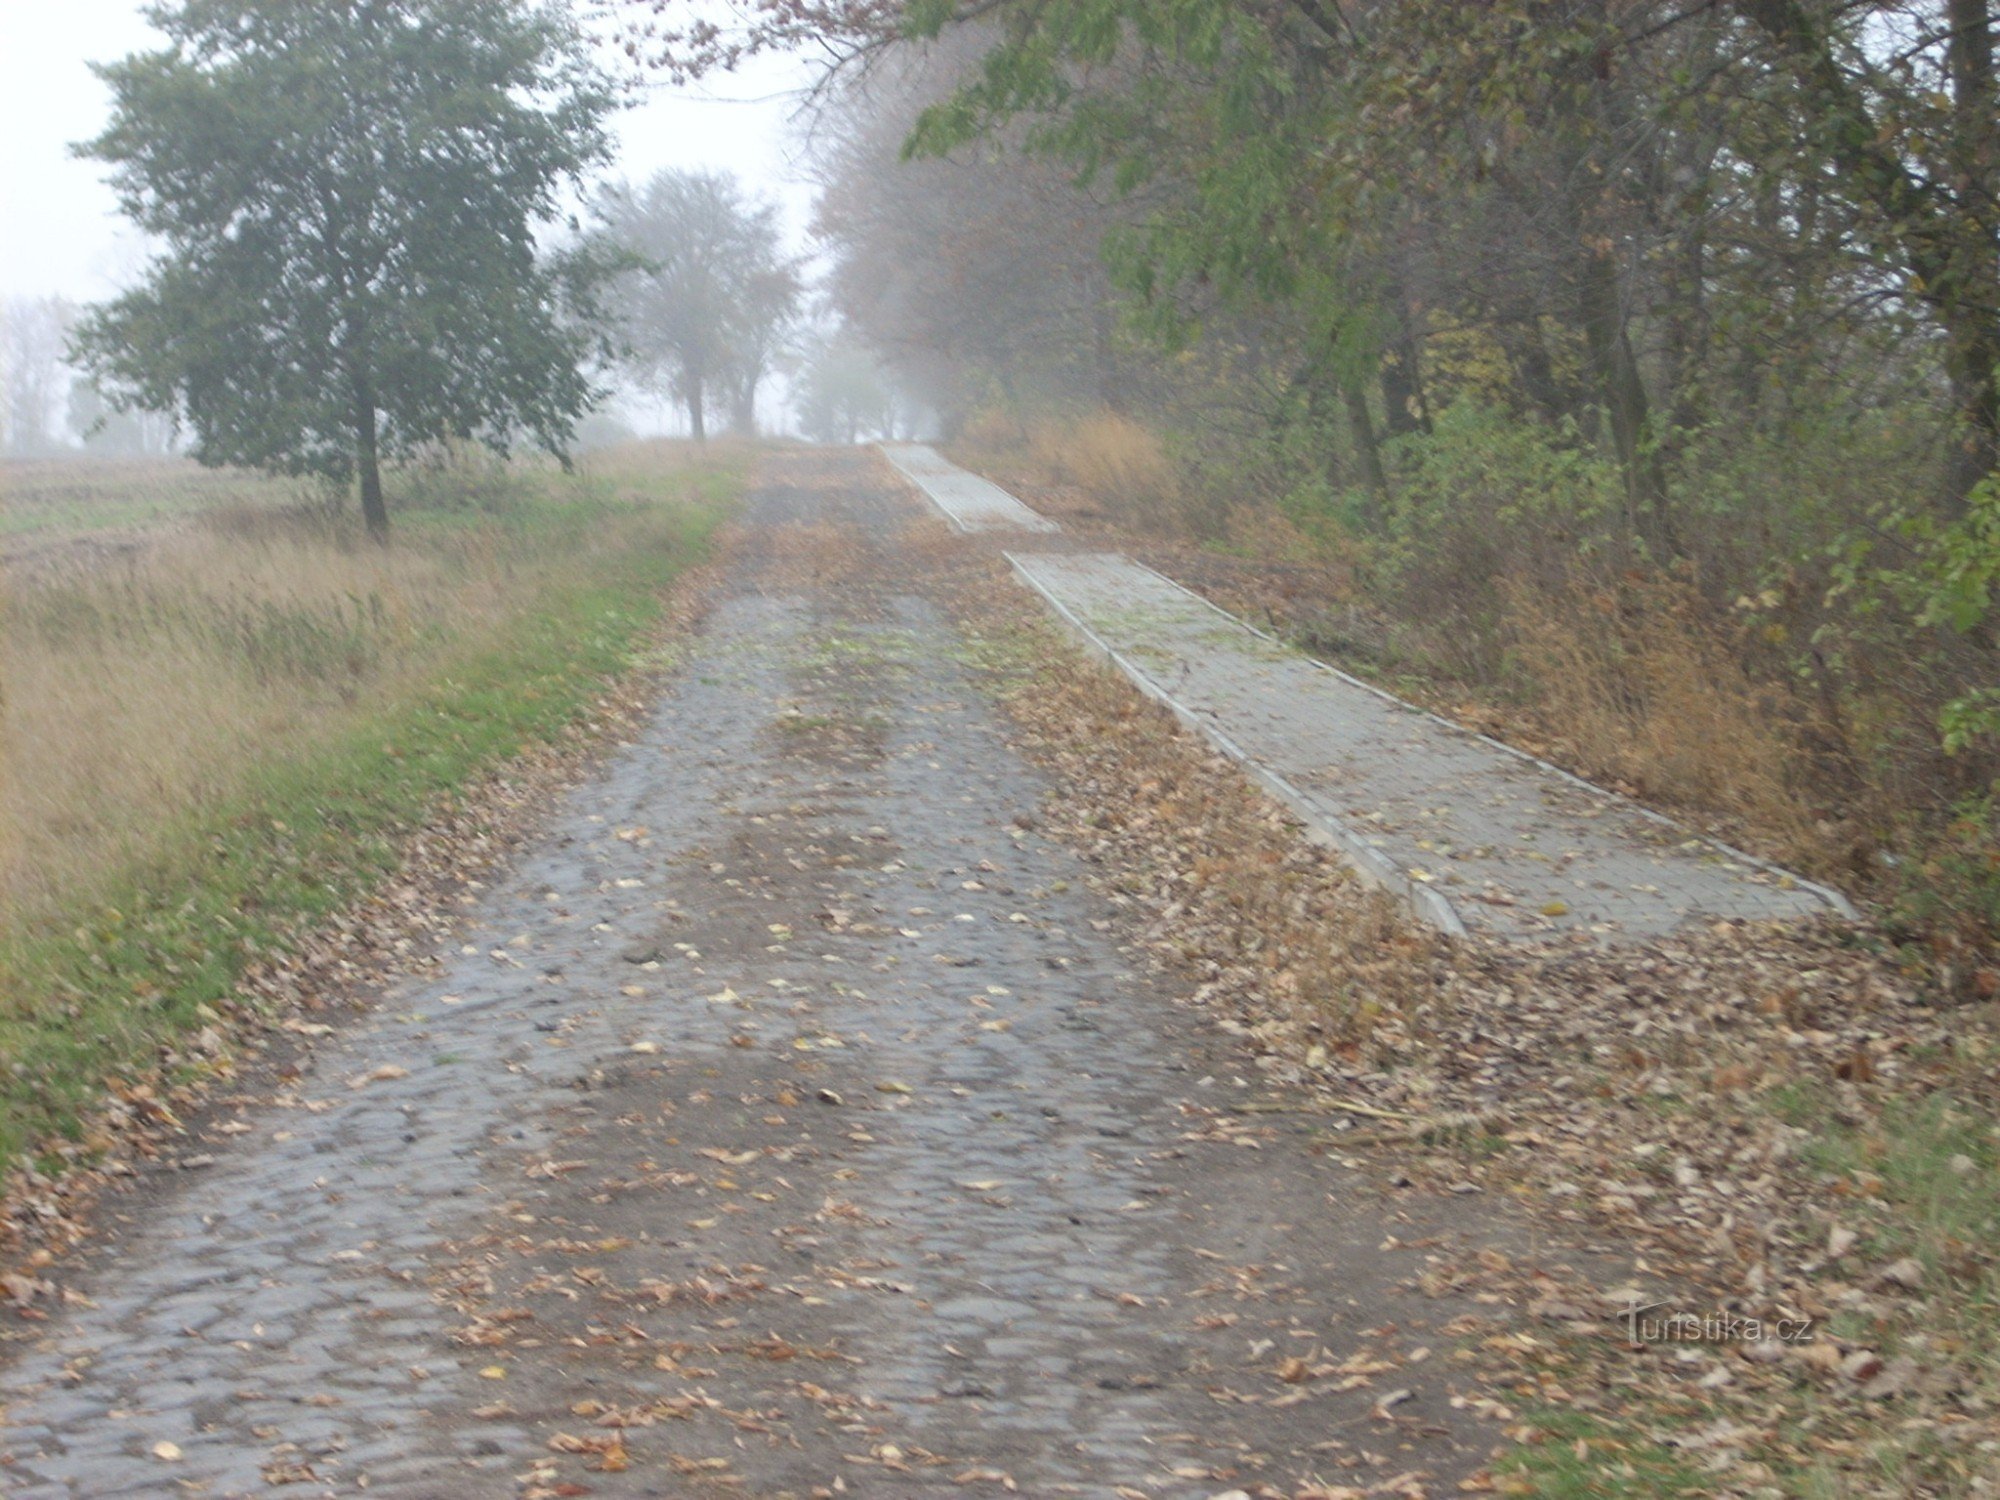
(1475, 835)
(968, 502)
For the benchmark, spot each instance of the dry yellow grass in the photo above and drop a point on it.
(1104, 464)
(1643, 689)
(1118, 463)
(138, 690)
(133, 694)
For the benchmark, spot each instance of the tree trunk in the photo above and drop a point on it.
(1973, 356)
(1534, 371)
(1405, 408)
(697, 407)
(1973, 360)
(1623, 393)
(1103, 352)
(367, 463)
(743, 409)
(1361, 426)
(1402, 408)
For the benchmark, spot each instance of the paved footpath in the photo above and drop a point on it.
(1478, 836)
(969, 502)
(790, 1123)
(1474, 835)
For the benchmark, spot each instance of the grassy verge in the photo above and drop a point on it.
(390, 708)
(1568, 1455)
(1895, 1392)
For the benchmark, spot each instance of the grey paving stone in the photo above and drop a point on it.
(968, 502)
(1473, 835)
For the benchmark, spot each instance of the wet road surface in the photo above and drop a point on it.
(794, 1120)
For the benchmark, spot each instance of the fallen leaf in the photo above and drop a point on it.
(1907, 1273)
(1391, 1398)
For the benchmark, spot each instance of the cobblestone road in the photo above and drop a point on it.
(791, 1122)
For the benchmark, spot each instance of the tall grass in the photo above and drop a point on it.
(1642, 686)
(139, 692)
(1102, 466)
(65, 496)
(213, 739)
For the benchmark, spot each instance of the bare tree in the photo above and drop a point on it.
(34, 378)
(710, 295)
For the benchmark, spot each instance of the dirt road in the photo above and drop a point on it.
(795, 1121)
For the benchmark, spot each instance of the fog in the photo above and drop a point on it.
(63, 236)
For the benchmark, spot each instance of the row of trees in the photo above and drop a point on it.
(1530, 310)
(1640, 216)
(346, 198)
(710, 298)
(979, 278)
(355, 206)
(1653, 213)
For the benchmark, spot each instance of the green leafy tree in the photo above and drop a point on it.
(348, 193)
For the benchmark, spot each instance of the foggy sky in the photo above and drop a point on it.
(60, 232)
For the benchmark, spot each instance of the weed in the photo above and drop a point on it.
(1643, 688)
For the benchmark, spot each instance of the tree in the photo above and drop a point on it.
(32, 377)
(1674, 186)
(841, 393)
(976, 277)
(710, 293)
(769, 307)
(106, 431)
(348, 192)
(1914, 137)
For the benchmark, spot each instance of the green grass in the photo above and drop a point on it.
(1577, 1457)
(75, 494)
(1931, 1167)
(158, 953)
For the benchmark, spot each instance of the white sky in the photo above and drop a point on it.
(60, 233)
